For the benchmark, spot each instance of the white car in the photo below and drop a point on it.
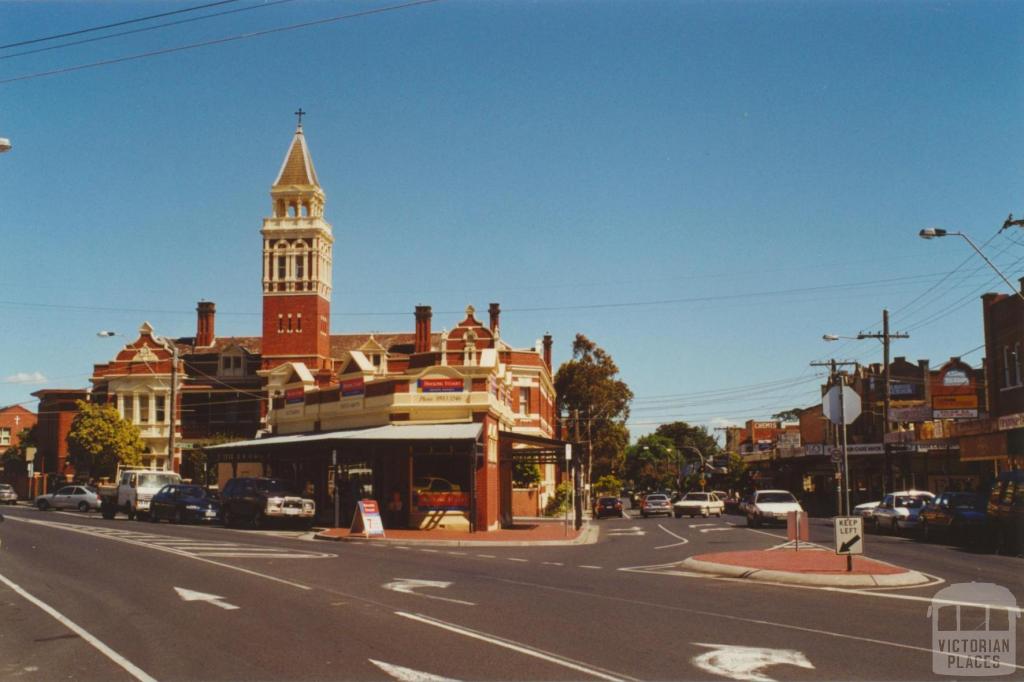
(771, 506)
(899, 511)
(8, 494)
(864, 510)
(698, 504)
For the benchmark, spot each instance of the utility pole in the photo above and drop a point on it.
(574, 472)
(173, 406)
(885, 337)
(837, 379)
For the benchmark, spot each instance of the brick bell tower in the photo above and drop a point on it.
(297, 244)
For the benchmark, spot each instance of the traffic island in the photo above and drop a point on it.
(813, 567)
(528, 534)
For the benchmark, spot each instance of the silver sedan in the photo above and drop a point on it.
(80, 497)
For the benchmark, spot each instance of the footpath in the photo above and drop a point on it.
(525, 533)
(814, 566)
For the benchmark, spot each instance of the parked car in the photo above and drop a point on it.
(655, 503)
(864, 510)
(183, 503)
(770, 506)
(7, 493)
(958, 517)
(607, 506)
(698, 504)
(899, 511)
(80, 497)
(252, 501)
(435, 484)
(1005, 514)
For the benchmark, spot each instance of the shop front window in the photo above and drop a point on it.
(440, 483)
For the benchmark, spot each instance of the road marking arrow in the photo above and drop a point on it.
(408, 674)
(409, 585)
(746, 662)
(192, 595)
(845, 547)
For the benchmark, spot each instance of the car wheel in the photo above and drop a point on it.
(643, 514)
(83, 506)
(256, 521)
(131, 514)
(895, 527)
(750, 521)
(153, 516)
(679, 515)
(227, 518)
(926, 532)
(42, 505)
(179, 516)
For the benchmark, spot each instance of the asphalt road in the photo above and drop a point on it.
(90, 599)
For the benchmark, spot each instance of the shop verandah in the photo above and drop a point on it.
(422, 476)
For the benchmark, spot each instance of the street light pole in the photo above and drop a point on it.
(934, 232)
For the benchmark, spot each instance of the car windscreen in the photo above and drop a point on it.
(968, 501)
(273, 485)
(607, 501)
(656, 498)
(775, 497)
(190, 491)
(157, 480)
(696, 497)
(910, 502)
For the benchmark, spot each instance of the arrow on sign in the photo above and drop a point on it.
(409, 585)
(746, 662)
(192, 595)
(845, 547)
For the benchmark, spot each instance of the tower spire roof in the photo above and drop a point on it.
(297, 168)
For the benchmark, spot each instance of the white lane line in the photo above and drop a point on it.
(456, 553)
(430, 551)
(755, 621)
(701, 525)
(714, 530)
(678, 537)
(403, 674)
(552, 563)
(587, 566)
(522, 561)
(129, 667)
(569, 663)
(486, 556)
(169, 550)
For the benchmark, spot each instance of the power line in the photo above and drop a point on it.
(264, 5)
(114, 25)
(218, 41)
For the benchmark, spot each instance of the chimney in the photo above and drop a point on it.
(422, 329)
(495, 312)
(547, 350)
(206, 311)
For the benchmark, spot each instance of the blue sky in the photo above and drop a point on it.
(702, 188)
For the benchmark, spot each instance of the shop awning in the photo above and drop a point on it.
(388, 432)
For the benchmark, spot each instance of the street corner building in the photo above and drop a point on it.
(429, 424)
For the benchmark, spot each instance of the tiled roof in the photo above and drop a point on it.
(298, 165)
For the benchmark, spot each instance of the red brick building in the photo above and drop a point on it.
(13, 420)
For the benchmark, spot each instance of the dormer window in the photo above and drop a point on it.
(232, 366)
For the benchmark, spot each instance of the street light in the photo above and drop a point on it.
(935, 232)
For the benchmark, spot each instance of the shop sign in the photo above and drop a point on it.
(902, 390)
(1011, 421)
(917, 413)
(449, 501)
(956, 377)
(367, 520)
(353, 387)
(814, 449)
(865, 449)
(294, 396)
(900, 437)
(986, 446)
(955, 402)
(956, 414)
(440, 385)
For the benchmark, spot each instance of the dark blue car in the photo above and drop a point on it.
(183, 503)
(955, 516)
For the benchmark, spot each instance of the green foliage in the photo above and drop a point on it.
(561, 500)
(100, 439)
(738, 476)
(684, 437)
(526, 474)
(652, 464)
(791, 415)
(608, 485)
(596, 405)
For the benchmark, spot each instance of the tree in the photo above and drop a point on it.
(525, 474)
(685, 436)
(652, 464)
(195, 464)
(595, 404)
(608, 485)
(737, 475)
(790, 415)
(100, 439)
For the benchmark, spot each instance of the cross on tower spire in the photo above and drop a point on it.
(300, 113)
